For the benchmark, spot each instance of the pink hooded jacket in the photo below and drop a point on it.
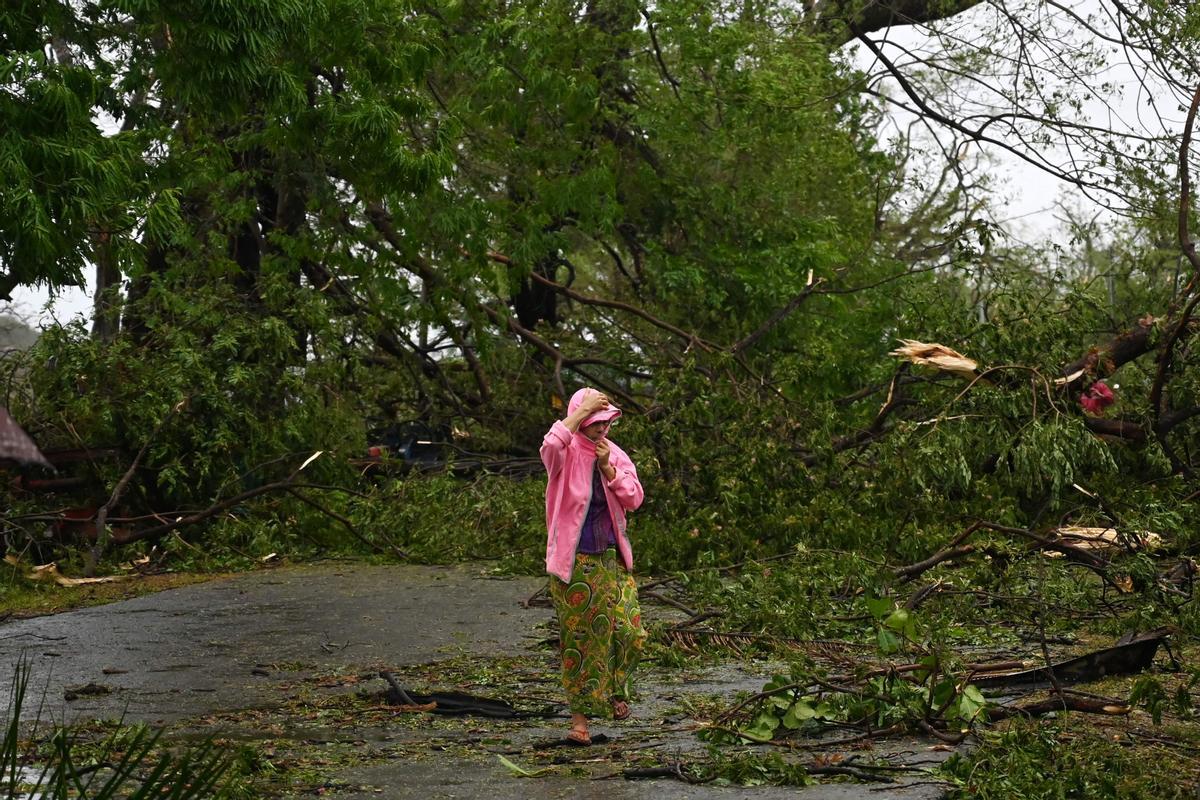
(570, 459)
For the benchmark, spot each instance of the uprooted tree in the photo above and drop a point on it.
(307, 216)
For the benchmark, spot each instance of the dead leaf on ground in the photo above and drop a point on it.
(86, 690)
(417, 709)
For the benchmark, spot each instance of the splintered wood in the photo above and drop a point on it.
(49, 572)
(1105, 540)
(937, 356)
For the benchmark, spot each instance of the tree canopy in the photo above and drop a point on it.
(459, 212)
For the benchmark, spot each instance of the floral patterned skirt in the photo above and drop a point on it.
(600, 630)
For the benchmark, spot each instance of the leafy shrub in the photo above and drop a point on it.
(1037, 760)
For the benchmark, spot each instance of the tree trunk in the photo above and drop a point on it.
(106, 308)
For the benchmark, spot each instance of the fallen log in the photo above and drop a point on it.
(1066, 701)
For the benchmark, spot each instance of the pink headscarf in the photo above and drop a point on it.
(612, 412)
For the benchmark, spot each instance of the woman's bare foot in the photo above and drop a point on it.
(579, 730)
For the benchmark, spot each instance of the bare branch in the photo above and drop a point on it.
(1185, 185)
(779, 315)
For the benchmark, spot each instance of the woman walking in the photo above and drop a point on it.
(592, 484)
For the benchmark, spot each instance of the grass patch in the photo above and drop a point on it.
(22, 599)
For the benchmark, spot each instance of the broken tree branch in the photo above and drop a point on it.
(347, 524)
(658, 55)
(1103, 360)
(779, 315)
(691, 612)
(97, 549)
(566, 291)
(1060, 701)
(560, 361)
(158, 531)
(1185, 184)
(912, 571)
(956, 549)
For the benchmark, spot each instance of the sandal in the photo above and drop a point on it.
(620, 709)
(579, 737)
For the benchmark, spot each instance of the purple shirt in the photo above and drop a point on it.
(597, 534)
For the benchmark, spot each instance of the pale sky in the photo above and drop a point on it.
(1027, 198)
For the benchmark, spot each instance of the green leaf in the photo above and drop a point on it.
(898, 620)
(943, 693)
(756, 733)
(879, 607)
(777, 682)
(519, 771)
(799, 713)
(970, 703)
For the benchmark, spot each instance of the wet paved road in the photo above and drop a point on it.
(187, 652)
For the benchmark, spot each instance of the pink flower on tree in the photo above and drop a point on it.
(1096, 398)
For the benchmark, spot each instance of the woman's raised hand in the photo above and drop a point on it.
(594, 401)
(603, 452)
(603, 457)
(591, 403)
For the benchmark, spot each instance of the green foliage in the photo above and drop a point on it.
(808, 701)
(207, 392)
(305, 128)
(71, 193)
(1149, 693)
(1048, 761)
(442, 519)
(326, 213)
(753, 769)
